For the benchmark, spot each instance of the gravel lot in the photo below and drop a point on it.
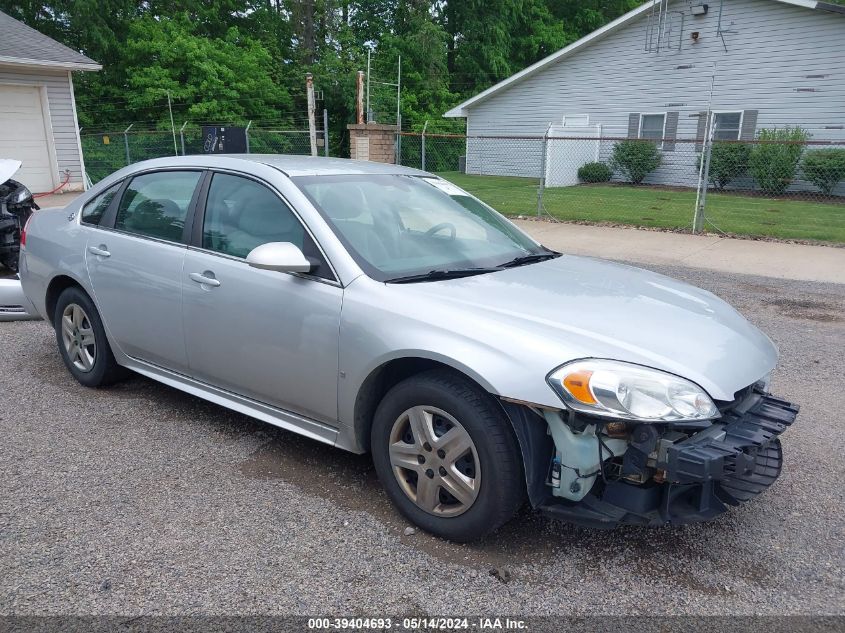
(142, 500)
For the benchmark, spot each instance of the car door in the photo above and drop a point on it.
(135, 259)
(268, 336)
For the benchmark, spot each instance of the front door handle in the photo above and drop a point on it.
(206, 279)
(99, 251)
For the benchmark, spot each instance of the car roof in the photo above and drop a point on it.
(291, 165)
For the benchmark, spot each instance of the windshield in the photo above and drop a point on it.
(396, 226)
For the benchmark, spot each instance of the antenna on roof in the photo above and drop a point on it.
(719, 30)
(655, 25)
(664, 28)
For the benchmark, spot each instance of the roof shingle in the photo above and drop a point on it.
(21, 44)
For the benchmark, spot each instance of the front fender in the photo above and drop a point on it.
(375, 331)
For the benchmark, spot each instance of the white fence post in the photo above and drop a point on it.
(126, 143)
(422, 146)
(182, 136)
(543, 171)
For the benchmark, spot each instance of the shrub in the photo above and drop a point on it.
(636, 159)
(773, 164)
(825, 168)
(727, 162)
(594, 172)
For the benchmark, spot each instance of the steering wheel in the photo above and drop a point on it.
(439, 227)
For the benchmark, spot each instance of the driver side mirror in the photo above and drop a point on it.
(282, 257)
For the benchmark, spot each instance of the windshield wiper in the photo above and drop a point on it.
(530, 259)
(436, 275)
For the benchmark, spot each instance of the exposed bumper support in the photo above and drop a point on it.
(14, 306)
(732, 461)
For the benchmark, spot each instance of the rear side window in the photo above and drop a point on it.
(92, 213)
(156, 205)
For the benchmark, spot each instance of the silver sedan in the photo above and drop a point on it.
(385, 310)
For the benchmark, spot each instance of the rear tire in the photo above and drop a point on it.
(82, 340)
(437, 433)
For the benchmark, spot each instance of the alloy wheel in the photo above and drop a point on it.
(78, 337)
(435, 461)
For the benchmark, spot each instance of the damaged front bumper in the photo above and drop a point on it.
(671, 475)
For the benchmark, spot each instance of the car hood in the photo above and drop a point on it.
(578, 307)
(8, 168)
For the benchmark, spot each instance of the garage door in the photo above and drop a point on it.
(24, 137)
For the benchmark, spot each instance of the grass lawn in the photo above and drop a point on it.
(659, 207)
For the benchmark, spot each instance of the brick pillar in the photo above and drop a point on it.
(372, 141)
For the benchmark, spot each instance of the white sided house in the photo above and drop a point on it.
(648, 74)
(38, 124)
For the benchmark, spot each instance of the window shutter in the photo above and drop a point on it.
(701, 131)
(749, 125)
(634, 125)
(671, 131)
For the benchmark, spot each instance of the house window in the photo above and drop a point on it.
(726, 126)
(651, 126)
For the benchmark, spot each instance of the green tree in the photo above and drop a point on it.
(244, 59)
(228, 79)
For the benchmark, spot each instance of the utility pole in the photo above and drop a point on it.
(326, 132)
(312, 124)
(359, 97)
(172, 127)
(368, 113)
(399, 93)
(399, 111)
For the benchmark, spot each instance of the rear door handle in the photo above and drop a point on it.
(202, 278)
(99, 251)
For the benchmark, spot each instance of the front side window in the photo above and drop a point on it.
(156, 204)
(92, 213)
(397, 225)
(241, 214)
(651, 126)
(726, 126)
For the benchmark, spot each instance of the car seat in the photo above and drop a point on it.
(347, 209)
(261, 218)
(157, 217)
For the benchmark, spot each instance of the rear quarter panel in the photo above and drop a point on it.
(55, 246)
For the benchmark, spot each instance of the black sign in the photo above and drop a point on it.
(223, 140)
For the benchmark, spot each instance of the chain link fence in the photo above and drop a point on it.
(759, 188)
(106, 152)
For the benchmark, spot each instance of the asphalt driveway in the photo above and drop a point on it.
(142, 500)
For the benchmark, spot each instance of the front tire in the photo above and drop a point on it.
(82, 340)
(447, 456)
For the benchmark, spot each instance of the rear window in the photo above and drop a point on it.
(156, 204)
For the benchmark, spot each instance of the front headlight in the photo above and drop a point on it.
(20, 194)
(630, 392)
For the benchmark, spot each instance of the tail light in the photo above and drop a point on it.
(23, 230)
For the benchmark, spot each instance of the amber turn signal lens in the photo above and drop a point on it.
(578, 385)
